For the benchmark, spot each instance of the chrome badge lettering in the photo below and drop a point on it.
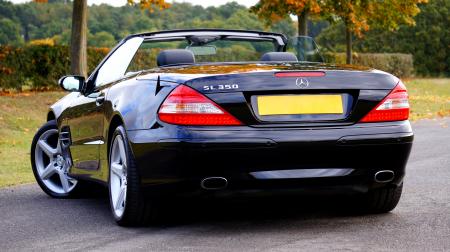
(220, 87)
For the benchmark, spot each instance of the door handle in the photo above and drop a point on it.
(99, 100)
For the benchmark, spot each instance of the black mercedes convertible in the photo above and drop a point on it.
(209, 111)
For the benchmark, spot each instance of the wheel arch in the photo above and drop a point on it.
(115, 122)
(51, 116)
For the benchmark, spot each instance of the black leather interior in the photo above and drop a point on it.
(174, 57)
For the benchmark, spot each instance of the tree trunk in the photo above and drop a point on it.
(26, 36)
(78, 42)
(348, 40)
(303, 23)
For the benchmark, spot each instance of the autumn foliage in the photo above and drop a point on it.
(150, 4)
(275, 10)
(358, 15)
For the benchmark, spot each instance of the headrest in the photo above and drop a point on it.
(175, 56)
(279, 56)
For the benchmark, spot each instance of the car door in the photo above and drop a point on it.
(86, 118)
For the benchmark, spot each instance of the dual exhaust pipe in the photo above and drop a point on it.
(219, 183)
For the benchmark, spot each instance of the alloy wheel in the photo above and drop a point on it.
(51, 165)
(118, 176)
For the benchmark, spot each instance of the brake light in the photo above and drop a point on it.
(299, 74)
(394, 107)
(185, 106)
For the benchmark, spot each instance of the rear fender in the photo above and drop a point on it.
(137, 102)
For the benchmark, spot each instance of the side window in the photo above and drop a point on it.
(115, 66)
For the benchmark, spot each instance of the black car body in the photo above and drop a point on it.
(309, 152)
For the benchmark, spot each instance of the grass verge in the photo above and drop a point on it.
(20, 117)
(429, 98)
(22, 114)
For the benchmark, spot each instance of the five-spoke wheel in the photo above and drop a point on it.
(51, 170)
(118, 176)
(49, 165)
(128, 204)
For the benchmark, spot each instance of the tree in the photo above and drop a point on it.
(26, 16)
(276, 10)
(428, 41)
(360, 15)
(354, 15)
(78, 39)
(102, 39)
(10, 32)
(78, 42)
(357, 15)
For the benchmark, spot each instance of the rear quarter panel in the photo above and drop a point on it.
(136, 102)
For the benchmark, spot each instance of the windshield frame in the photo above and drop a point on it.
(279, 40)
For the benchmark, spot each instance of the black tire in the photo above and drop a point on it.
(81, 189)
(382, 200)
(139, 210)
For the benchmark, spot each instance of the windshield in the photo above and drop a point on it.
(305, 48)
(219, 50)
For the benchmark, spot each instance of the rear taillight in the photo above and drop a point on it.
(185, 106)
(394, 107)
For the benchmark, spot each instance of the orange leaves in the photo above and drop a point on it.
(275, 17)
(358, 15)
(391, 13)
(275, 10)
(144, 4)
(298, 7)
(101, 50)
(6, 70)
(352, 12)
(150, 4)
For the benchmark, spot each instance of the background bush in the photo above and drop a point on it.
(39, 66)
(428, 41)
(398, 64)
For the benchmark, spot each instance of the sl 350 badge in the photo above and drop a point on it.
(220, 87)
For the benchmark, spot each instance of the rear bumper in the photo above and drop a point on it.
(176, 159)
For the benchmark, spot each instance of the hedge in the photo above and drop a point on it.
(398, 64)
(40, 66)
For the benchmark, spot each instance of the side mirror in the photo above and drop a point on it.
(72, 83)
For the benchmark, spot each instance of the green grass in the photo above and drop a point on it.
(429, 98)
(22, 114)
(20, 117)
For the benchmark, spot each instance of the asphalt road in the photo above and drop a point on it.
(421, 222)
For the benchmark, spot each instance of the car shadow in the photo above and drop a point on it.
(256, 209)
(236, 212)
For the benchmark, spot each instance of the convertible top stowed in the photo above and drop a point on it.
(224, 111)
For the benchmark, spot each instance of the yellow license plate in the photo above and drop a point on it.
(299, 104)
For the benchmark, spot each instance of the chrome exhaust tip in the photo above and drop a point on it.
(384, 176)
(214, 183)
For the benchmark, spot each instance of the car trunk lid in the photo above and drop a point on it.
(287, 96)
